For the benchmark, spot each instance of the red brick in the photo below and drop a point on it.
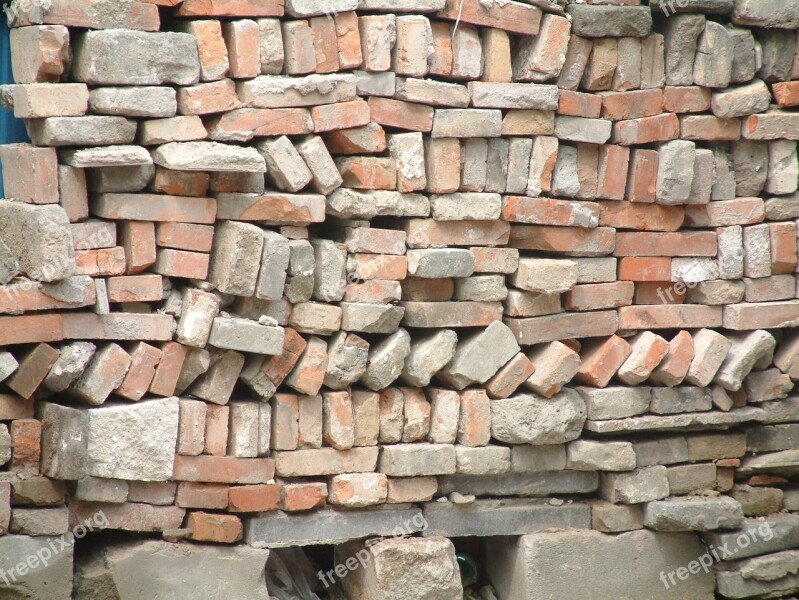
(633, 268)
(694, 243)
(349, 40)
(578, 104)
(223, 469)
(30, 174)
(209, 527)
(783, 248)
(514, 17)
(277, 368)
(361, 140)
(86, 14)
(14, 407)
(302, 496)
(543, 211)
(26, 441)
(674, 367)
(202, 495)
(497, 64)
(254, 498)
(510, 377)
(573, 241)
(208, 98)
(180, 183)
(243, 45)
(138, 240)
(214, 62)
(127, 517)
(596, 296)
(659, 292)
(474, 427)
(643, 175)
(637, 104)
(786, 93)
(612, 172)
(441, 59)
(33, 368)
(155, 207)
(368, 172)
(344, 115)
(724, 213)
(27, 296)
(323, 30)
(647, 130)
(118, 326)
(105, 262)
(402, 115)
(144, 360)
(185, 236)
(168, 371)
(246, 123)
(135, 288)
(428, 290)
(689, 99)
(31, 329)
(231, 8)
(179, 263)
(601, 360)
(710, 128)
(216, 430)
(641, 217)
(669, 316)
(378, 266)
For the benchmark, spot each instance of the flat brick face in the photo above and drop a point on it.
(270, 266)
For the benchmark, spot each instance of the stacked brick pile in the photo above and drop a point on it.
(283, 275)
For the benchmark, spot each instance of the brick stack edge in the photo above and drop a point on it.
(276, 275)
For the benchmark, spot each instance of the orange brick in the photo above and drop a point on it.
(223, 469)
(647, 130)
(216, 430)
(185, 236)
(325, 43)
(659, 292)
(636, 104)
(578, 104)
(277, 368)
(29, 296)
(674, 367)
(180, 183)
(601, 360)
(786, 93)
(378, 266)
(641, 217)
(783, 248)
(573, 241)
(474, 427)
(26, 441)
(30, 174)
(402, 115)
(246, 123)
(30, 329)
(723, 213)
(669, 316)
(510, 377)
(168, 371)
(441, 60)
(596, 296)
(497, 65)
(698, 243)
(612, 172)
(361, 140)
(136, 288)
(104, 262)
(428, 290)
(208, 98)
(144, 360)
(138, 241)
(254, 498)
(649, 268)
(191, 494)
(32, 370)
(368, 172)
(214, 62)
(209, 527)
(302, 496)
(543, 211)
(710, 128)
(243, 45)
(179, 263)
(231, 8)
(642, 176)
(349, 40)
(343, 115)
(689, 99)
(443, 165)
